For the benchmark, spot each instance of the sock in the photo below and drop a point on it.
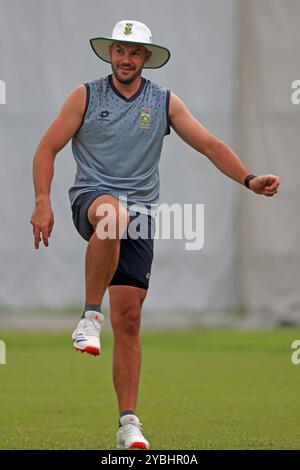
(124, 413)
(95, 307)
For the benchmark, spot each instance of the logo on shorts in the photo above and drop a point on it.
(148, 275)
(145, 118)
(104, 115)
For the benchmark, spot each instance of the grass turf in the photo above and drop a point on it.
(200, 389)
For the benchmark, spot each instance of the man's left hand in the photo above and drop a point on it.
(266, 185)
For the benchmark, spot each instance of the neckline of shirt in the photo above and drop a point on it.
(133, 97)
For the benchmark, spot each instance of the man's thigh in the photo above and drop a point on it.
(106, 206)
(80, 212)
(84, 210)
(136, 255)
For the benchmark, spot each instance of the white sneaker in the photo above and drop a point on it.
(86, 337)
(129, 435)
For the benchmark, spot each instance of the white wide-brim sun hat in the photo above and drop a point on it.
(132, 32)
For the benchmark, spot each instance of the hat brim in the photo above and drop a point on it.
(159, 57)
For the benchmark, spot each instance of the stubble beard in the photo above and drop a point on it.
(126, 81)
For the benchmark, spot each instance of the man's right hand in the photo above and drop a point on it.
(42, 221)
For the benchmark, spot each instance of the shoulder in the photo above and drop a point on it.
(97, 84)
(156, 87)
(76, 99)
(176, 105)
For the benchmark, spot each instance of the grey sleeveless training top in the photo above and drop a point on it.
(118, 146)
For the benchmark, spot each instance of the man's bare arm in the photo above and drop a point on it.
(60, 131)
(220, 154)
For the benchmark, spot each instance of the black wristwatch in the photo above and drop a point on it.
(248, 179)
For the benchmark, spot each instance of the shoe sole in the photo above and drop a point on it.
(88, 350)
(134, 445)
(138, 445)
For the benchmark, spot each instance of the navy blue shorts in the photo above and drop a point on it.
(136, 255)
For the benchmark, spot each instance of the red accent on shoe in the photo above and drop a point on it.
(88, 349)
(93, 351)
(138, 445)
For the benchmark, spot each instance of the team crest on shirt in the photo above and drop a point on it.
(145, 118)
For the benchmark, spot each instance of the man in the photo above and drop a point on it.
(117, 125)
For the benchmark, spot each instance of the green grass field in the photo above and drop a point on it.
(200, 389)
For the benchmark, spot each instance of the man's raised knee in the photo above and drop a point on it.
(108, 217)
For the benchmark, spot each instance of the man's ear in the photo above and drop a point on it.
(148, 55)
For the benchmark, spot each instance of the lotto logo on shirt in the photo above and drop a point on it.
(145, 118)
(104, 116)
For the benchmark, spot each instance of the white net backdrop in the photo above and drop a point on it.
(270, 229)
(250, 257)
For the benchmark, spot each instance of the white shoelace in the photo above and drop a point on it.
(133, 429)
(89, 327)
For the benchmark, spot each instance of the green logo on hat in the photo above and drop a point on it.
(128, 28)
